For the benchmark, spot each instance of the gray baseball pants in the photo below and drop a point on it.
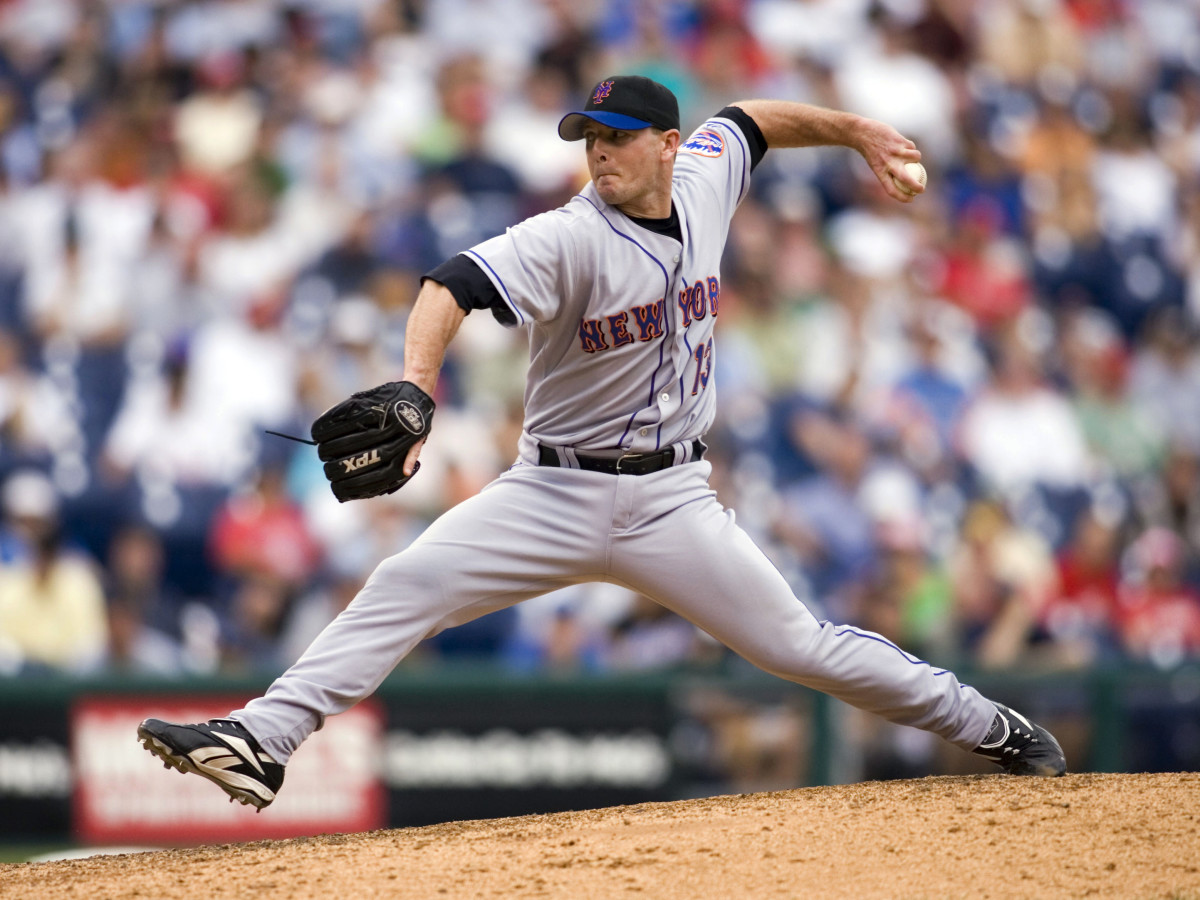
(536, 529)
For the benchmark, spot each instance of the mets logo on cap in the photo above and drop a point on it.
(603, 89)
(705, 142)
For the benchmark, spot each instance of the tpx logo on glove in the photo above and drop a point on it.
(410, 417)
(354, 463)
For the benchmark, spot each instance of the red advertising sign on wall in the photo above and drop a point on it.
(123, 794)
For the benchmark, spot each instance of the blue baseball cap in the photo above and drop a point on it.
(628, 102)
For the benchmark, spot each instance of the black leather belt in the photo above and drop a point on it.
(629, 464)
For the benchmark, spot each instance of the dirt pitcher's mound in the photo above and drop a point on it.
(1127, 836)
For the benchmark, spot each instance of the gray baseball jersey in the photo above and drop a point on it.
(621, 341)
(622, 315)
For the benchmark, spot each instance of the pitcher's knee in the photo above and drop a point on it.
(406, 575)
(783, 656)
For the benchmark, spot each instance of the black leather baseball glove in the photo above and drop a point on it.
(364, 440)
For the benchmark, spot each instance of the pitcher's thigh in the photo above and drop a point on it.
(524, 534)
(700, 564)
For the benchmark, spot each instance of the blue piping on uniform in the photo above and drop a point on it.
(849, 629)
(684, 372)
(666, 319)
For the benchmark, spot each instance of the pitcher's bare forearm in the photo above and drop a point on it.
(434, 321)
(787, 124)
(784, 124)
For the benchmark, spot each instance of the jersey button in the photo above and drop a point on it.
(644, 432)
(664, 397)
(675, 258)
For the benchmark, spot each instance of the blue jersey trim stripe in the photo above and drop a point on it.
(871, 636)
(666, 321)
(741, 139)
(683, 374)
(500, 281)
(691, 353)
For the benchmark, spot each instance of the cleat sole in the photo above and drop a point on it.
(172, 760)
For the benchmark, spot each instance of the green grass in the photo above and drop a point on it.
(17, 853)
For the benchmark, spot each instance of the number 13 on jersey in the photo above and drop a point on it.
(703, 357)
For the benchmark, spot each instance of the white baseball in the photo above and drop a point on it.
(917, 171)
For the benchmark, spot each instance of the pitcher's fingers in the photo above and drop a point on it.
(414, 453)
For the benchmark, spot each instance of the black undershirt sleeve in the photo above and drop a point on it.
(471, 287)
(753, 134)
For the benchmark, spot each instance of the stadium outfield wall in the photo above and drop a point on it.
(446, 745)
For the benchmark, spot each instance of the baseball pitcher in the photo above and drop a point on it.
(619, 291)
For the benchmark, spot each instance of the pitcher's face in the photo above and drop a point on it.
(631, 169)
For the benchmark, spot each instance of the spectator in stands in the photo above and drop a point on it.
(911, 600)
(653, 637)
(504, 33)
(1120, 435)
(1026, 40)
(217, 126)
(1002, 577)
(167, 432)
(166, 304)
(851, 347)
(1172, 501)
(254, 253)
(316, 606)
(470, 195)
(352, 352)
(1158, 615)
(20, 155)
(51, 602)
(928, 399)
(1018, 431)
(262, 534)
(570, 629)
(1055, 146)
(887, 77)
(726, 58)
(25, 436)
(242, 373)
(824, 30)
(1080, 616)
(561, 643)
(1070, 259)
(143, 611)
(832, 519)
(983, 178)
(1135, 187)
(523, 135)
(344, 270)
(1137, 204)
(252, 632)
(1164, 379)
(984, 269)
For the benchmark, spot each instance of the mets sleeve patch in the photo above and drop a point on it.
(705, 142)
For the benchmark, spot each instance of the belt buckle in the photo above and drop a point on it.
(632, 457)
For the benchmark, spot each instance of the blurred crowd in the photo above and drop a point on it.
(970, 423)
